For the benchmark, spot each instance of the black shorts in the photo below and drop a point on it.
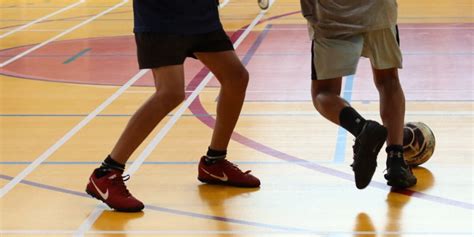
(157, 49)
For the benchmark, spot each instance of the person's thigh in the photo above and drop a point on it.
(169, 79)
(334, 58)
(225, 65)
(382, 48)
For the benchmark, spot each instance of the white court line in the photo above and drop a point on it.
(5, 189)
(84, 228)
(223, 4)
(41, 19)
(62, 34)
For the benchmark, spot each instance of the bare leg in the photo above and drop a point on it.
(326, 98)
(233, 77)
(392, 103)
(169, 83)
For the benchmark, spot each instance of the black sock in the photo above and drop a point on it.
(110, 163)
(395, 154)
(214, 155)
(351, 120)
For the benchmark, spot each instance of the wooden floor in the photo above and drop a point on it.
(66, 67)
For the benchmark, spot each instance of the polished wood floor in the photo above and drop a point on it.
(69, 82)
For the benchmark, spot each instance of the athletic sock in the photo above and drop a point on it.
(214, 155)
(395, 154)
(351, 120)
(110, 163)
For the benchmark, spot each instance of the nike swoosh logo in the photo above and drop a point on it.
(223, 178)
(103, 195)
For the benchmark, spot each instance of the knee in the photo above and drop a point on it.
(237, 80)
(241, 80)
(386, 79)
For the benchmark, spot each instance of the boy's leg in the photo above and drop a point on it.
(233, 77)
(339, 57)
(392, 112)
(392, 103)
(382, 47)
(106, 182)
(169, 83)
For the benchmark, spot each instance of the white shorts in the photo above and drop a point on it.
(334, 58)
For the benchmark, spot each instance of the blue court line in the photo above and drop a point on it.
(341, 132)
(71, 59)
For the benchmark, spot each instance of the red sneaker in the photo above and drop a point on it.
(108, 186)
(226, 173)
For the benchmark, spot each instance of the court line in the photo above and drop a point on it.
(63, 33)
(223, 4)
(253, 49)
(76, 56)
(41, 19)
(10, 185)
(83, 228)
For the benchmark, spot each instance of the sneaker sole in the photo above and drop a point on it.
(397, 182)
(218, 182)
(117, 209)
(366, 166)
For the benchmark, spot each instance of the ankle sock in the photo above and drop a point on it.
(110, 163)
(351, 120)
(395, 154)
(214, 155)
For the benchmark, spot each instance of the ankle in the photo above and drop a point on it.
(212, 155)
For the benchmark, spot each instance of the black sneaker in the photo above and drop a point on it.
(399, 174)
(366, 148)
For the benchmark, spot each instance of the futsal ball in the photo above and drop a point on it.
(418, 143)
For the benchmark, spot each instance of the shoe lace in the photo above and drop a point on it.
(235, 167)
(120, 182)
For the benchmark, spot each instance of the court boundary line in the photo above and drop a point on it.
(22, 54)
(41, 19)
(45, 155)
(84, 227)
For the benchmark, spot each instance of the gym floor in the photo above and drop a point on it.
(69, 82)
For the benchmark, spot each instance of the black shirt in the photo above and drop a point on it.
(184, 17)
